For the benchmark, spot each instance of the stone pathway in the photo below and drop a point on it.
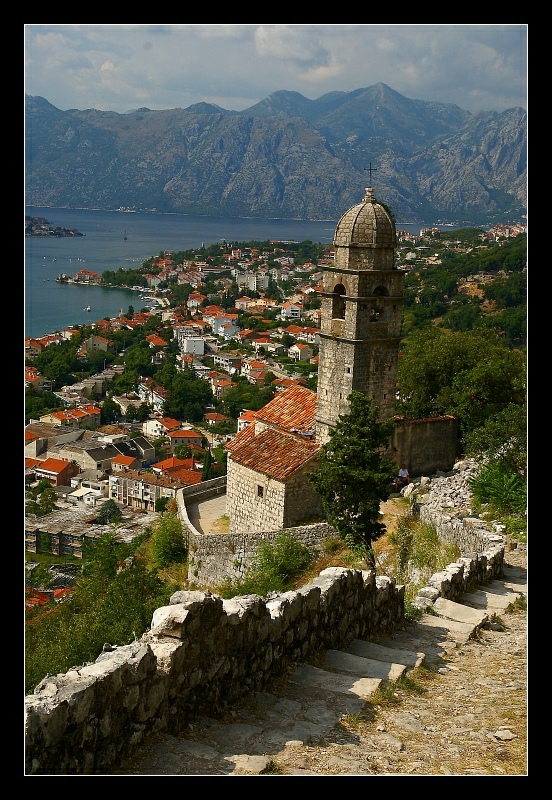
(447, 695)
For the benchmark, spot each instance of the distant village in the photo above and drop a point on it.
(38, 226)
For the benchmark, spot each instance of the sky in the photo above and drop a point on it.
(124, 67)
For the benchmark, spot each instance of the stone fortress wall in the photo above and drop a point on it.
(203, 653)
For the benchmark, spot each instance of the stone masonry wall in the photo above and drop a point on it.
(214, 557)
(244, 505)
(203, 653)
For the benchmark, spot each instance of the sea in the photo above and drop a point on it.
(125, 239)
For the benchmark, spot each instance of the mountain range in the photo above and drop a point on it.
(287, 157)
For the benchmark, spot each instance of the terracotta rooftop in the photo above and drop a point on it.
(245, 435)
(292, 409)
(273, 453)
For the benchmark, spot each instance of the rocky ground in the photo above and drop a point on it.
(465, 716)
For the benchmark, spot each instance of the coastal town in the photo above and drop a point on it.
(231, 326)
(38, 226)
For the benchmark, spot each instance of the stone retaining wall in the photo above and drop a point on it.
(212, 558)
(203, 653)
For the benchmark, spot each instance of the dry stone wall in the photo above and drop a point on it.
(213, 558)
(203, 653)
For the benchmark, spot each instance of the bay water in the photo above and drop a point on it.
(116, 239)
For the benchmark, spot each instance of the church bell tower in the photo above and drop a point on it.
(361, 315)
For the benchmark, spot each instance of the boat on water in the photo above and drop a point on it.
(87, 308)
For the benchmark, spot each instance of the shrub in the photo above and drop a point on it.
(167, 541)
(273, 568)
(108, 513)
(501, 488)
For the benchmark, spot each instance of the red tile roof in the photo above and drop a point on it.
(274, 453)
(245, 435)
(172, 462)
(185, 434)
(126, 461)
(292, 409)
(214, 416)
(190, 477)
(55, 465)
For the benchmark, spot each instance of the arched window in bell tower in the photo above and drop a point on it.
(376, 304)
(338, 302)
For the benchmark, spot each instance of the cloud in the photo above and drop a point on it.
(120, 67)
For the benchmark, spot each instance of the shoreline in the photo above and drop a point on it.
(59, 331)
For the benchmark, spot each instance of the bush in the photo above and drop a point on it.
(417, 555)
(167, 541)
(499, 487)
(273, 568)
(108, 604)
(108, 513)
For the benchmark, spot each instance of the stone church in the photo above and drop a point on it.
(362, 304)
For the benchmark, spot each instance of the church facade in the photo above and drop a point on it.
(361, 315)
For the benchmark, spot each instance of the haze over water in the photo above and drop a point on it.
(51, 306)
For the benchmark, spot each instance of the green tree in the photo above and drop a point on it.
(39, 402)
(161, 504)
(287, 341)
(110, 411)
(183, 451)
(142, 412)
(189, 395)
(246, 395)
(41, 499)
(138, 359)
(353, 478)
(471, 375)
(112, 601)
(108, 513)
(100, 560)
(207, 462)
(126, 383)
(167, 541)
(503, 438)
(221, 458)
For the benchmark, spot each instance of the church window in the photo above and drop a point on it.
(338, 302)
(260, 491)
(376, 306)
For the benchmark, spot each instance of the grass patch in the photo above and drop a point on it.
(411, 553)
(221, 525)
(518, 605)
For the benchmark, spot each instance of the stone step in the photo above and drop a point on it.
(461, 615)
(363, 667)
(518, 574)
(494, 599)
(307, 675)
(379, 652)
(312, 702)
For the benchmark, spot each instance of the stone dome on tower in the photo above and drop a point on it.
(367, 224)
